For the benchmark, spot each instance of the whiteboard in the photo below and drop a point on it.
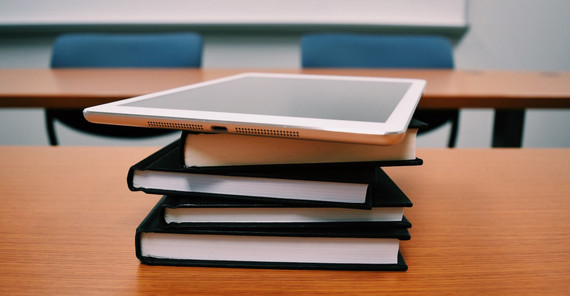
(430, 13)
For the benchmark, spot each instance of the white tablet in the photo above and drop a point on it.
(320, 107)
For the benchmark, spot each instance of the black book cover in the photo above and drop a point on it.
(168, 159)
(416, 123)
(152, 224)
(391, 196)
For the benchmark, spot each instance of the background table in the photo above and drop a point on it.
(79, 88)
(492, 221)
(506, 91)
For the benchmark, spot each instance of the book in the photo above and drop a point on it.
(341, 185)
(239, 215)
(353, 248)
(196, 211)
(211, 149)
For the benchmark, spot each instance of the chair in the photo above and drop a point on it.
(173, 50)
(384, 51)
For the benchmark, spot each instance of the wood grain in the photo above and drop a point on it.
(484, 222)
(78, 88)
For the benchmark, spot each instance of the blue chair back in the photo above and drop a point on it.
(375, 51)
(160, 50)
(127, 51)
(329, 50)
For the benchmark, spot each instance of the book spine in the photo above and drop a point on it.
(143, 164)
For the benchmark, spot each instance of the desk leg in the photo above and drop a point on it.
(508, 127)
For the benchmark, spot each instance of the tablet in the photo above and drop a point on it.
(320, 107)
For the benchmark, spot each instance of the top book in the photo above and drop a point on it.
(214, 150)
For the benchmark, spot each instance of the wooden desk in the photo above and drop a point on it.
(494, 221)
(79, 88)
(508, 92)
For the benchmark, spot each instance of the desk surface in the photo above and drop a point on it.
(445, 88)
(484, 221)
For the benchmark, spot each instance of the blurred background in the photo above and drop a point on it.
(520, 35)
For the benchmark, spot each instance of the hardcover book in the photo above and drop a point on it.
(352, 248)
(198, 211)
(244, 216)
(221, 149)
(341, 185)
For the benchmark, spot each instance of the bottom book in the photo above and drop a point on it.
(349, 248)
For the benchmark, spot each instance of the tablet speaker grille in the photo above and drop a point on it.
(267, 132)
(174, 125)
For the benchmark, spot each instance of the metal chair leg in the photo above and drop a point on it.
(453, 133)
(50, 128)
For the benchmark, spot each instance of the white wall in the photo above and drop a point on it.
(503, 34)
(522, 35)
(379, 12)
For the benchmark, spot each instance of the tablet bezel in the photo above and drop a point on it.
(389, 132)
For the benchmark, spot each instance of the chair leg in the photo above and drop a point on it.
(50, 128)
(453, 132)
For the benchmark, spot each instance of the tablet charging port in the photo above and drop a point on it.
(219, 129)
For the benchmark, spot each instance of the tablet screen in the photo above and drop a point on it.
(374, 110)
(354, 100)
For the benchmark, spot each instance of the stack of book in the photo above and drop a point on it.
(262, 202)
